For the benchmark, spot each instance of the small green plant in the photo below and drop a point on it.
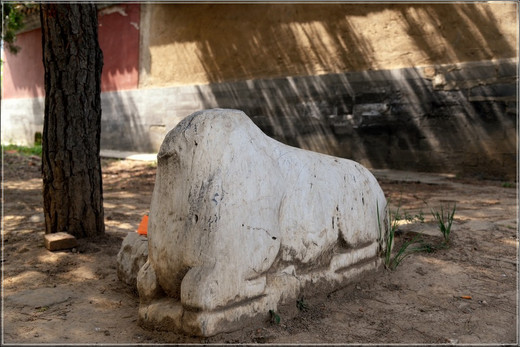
(412, 218)
(508, 185)
(408, 217)
(391, 262)
(392, 227)
(275, 318)
(420, 216)
(301, 304)
(427, 247)
(386, 236)
(405, 250)
(444, 220)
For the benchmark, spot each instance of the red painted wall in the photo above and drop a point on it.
(119, 40)
(23, 72)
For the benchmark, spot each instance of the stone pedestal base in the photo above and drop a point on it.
(168, 314)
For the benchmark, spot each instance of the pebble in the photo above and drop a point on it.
(37, 218)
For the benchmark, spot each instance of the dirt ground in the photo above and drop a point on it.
(466, 293)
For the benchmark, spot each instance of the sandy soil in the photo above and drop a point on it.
(75, 297)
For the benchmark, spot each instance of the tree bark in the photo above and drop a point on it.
(71, 168)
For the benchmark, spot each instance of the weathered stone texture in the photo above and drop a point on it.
(131, 257)
(240, 223)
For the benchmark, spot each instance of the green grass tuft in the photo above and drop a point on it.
(444, 220)
(25, 150)
(414, 245)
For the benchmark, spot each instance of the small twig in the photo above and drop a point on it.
(422, 332)
(381, 301)
(39, 317)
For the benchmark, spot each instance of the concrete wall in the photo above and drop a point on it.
(459, 118)
(207, 43)
(425, 87)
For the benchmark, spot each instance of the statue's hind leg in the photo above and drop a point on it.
(209, 288)
(357, 248)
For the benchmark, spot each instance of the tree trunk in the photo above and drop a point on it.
(71, 168)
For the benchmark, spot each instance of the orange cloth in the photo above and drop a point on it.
(143, 227)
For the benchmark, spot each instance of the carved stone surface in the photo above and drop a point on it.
(131, 257)
(240, 223)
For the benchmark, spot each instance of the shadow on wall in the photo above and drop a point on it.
(122, 126)
(395, 119)
(245, 41)
(469, 32)
(23, 75)
(457, 118)
(119, 39)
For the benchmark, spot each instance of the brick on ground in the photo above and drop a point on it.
(59, 241)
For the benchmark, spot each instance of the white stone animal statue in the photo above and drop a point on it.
(240, 223)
